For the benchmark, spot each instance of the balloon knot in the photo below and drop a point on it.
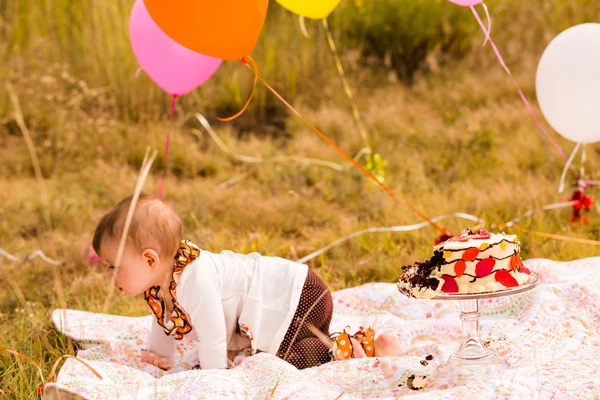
(245, 60)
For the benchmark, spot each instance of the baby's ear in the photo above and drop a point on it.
(151, 257)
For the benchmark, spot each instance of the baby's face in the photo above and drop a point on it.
(134, 275)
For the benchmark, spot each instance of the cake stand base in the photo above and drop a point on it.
(472, 360)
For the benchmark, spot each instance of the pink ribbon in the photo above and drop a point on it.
(166, 152)
(525, 101)
(585, 183)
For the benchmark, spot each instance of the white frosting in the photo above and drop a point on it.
(495, 238)
(420, 382)
(476, 288)
(492, 286)
(520, 277)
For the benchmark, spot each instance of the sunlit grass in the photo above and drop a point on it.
(457, 139)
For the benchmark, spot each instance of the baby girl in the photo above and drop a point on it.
(227, 302)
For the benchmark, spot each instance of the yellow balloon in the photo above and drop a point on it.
(315, 9)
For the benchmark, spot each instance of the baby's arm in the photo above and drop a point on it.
(201, 298)
(161, 344)
(161, 347)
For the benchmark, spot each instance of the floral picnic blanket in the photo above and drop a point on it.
(549, 335)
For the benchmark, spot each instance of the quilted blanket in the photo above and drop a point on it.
(550, 336)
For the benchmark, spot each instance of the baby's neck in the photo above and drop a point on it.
(165, 283)
(165, 276)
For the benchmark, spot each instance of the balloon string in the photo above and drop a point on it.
(31, 256)
(553, 236)
(489, 19)
(415, 227)
(402, 228)
(349, 158)
(583, 160)
(544, 208)
(347, 89)
(167, 146)
(303, 26)
(563, 176)
(29, 360)
(246, 60)
(514, 81)
(52, 376)
(260, 160)
(585, 182)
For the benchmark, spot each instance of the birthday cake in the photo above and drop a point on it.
(468, 263)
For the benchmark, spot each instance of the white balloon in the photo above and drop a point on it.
(568, 83)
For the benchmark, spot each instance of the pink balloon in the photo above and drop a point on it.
(176, 69)
(467, 3)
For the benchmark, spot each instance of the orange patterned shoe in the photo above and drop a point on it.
(343, 349)
(366, 339)
(342, 346)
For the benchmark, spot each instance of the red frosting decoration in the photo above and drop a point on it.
(505, 278)
(513, 263)
(519, 261)
(459, 268)
(485, 267)
(484, 232)
(470, 254)
(450, 285)
(466, 236)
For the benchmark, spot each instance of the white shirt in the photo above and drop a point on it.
(220, 291)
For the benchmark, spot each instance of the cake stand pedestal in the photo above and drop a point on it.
(472, 359)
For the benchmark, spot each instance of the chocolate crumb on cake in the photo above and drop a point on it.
(419, 277)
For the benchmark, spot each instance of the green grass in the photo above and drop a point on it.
(456, 139)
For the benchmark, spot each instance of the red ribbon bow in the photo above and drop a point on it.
(584, 203)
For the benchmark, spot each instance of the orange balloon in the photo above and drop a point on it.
(226, 29)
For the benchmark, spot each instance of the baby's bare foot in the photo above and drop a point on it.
(359, 352)
(387, 345)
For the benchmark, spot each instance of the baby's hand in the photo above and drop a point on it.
(231, 354)
(156, 360)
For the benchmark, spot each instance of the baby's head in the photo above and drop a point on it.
(152, 241)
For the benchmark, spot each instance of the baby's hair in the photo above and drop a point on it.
(155, 225)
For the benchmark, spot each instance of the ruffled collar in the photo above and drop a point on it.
(179, 322)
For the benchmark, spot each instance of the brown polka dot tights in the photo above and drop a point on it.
(300, 346)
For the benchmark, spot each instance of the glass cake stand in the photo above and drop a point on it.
(472, 359)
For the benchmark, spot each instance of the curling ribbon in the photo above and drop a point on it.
(251, 64)
(166, 152)
(514, 81)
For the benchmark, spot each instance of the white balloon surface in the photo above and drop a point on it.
(568, 83)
